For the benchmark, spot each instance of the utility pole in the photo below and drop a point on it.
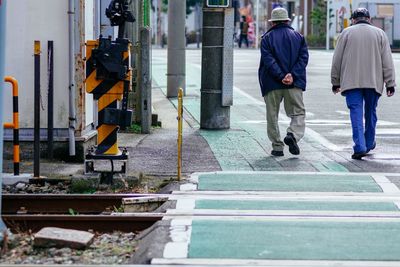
(327, 23)
(305, 17)
(176, 72)
(3, 39)
(257, 23)
(217, 65)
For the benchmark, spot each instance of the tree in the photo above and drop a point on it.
(318, 18)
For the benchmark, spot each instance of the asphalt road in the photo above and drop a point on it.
(327, 113)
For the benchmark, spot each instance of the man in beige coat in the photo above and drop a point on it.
(362, 65)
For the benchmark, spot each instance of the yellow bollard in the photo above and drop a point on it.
(180, 112)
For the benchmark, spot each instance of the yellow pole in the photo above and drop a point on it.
(180, 112)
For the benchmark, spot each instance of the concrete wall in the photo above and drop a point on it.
(43, 20)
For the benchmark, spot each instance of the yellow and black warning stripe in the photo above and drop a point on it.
(15, 124)
(108, 93)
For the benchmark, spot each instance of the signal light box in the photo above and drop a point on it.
(217, 3)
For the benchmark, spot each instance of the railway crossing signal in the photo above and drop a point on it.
(217, 3)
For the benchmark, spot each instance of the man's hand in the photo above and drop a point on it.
(390, 91)
(288, 80)
(336, 89)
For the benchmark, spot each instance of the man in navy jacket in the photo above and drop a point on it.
(282, 76)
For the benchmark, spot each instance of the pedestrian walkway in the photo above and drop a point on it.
(317, 209)
(245, 146)
(285, 219)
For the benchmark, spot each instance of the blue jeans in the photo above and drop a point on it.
(363, 102)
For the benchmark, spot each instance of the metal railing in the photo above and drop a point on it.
(15, 124)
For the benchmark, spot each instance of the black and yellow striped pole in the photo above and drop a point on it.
(15, 124)
(108, 92)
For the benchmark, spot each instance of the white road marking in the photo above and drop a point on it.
(342, 112)
(385, 184)
(185, 204)
(327, 123)
(180, 233)
(287, 213)
(310, 133)
(291, 196)
(275, 263)
(294, 218)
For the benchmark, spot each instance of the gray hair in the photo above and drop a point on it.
(361, 19)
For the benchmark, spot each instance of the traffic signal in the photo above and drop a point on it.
(217, 3)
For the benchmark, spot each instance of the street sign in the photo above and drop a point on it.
(217, 3)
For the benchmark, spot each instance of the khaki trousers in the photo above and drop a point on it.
(294, 108)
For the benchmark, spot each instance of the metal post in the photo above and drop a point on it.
(71, 72)
(180, 128)
(176, 72)
(217, 68)
(145, 80)
(155, 19)
(305, 17)
(50, 109)
(2, 65)
(198, 29)
(15, 124)
(327, 23)
(132, 35)
(36, 141)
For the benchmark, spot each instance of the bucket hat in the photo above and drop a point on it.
(279, 14)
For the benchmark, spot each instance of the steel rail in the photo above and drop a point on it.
(98, 223)
(64, 203)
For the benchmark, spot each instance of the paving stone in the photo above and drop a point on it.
(59, 237)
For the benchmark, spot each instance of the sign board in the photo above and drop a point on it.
(217, 3)
(385, 10)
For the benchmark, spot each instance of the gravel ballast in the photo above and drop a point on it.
(115, 248)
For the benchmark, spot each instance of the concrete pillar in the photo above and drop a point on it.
(176, 73)
(217, 68)
(145, 79)
(132, 33)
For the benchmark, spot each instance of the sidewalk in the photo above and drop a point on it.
(154, 154)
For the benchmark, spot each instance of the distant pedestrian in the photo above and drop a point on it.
(362, 64)
(282, 76)
(244, 29)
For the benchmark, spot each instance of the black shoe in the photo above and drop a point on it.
(277, 153)
(372, 148)
(291, 142)
(359, 155)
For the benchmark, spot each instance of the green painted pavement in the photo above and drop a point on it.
(295, 205)
(243, 147)
(329, 167)
(287, 182)
(301, 240)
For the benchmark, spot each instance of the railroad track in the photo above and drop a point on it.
(23, 213)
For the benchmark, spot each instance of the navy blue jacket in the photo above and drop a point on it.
(283, 51)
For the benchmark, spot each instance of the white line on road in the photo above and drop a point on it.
(343, 112)
(386, 185)
(275, 263)
(310, 133)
